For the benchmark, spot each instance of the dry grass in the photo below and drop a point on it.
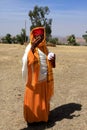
(69, 104)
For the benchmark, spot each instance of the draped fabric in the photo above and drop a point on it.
(38, 92)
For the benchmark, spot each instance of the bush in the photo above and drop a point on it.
(53, 41)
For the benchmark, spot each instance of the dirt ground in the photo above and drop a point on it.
(69, 103)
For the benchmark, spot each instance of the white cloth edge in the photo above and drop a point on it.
(24, 63)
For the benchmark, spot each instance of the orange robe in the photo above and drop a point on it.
(37, 93)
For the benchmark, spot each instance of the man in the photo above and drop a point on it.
(37, 71)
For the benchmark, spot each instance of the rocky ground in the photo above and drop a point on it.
(69, 103)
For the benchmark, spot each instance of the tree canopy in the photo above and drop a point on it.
(19, 38)
(85, 36)
(71, 40)
(38, 18)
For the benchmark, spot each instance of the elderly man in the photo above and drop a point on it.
(37, 71)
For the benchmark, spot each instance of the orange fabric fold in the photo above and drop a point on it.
(36, 105)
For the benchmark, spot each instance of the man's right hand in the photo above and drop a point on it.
(37, 41)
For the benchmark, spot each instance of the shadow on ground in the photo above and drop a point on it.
(57, 114)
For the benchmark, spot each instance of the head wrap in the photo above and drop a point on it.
(38, 31)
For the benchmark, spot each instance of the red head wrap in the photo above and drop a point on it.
(38, 31)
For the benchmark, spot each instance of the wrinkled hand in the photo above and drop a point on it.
(37, 41)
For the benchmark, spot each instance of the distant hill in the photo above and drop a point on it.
(79, 40)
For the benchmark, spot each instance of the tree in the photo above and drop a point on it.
(21, 38)
(85, 36)
(7, 38)
(38, 18)
(71, 40)
(14, 39)
(3, 40)
(23, 35)
(54, 40)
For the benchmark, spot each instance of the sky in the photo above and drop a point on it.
(68, 16)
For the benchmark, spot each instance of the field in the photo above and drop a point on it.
(69, 103)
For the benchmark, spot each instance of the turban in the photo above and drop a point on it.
(38, 31)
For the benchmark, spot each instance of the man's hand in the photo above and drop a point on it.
(37, 41)
(51, 58)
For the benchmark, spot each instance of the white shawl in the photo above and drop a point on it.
(24, 62)
(43, 67)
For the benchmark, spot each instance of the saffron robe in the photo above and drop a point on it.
(39, 85)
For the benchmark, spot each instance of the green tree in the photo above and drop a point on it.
(38, 18)
(23, 35)
(85, 36)
(54, 40)
(14, 40)
(3, 40)
(21, 38)
(7, 39)
(72, 40)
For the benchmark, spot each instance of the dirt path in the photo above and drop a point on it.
(69, 104)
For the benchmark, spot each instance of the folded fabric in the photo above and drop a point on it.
(24, 63)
